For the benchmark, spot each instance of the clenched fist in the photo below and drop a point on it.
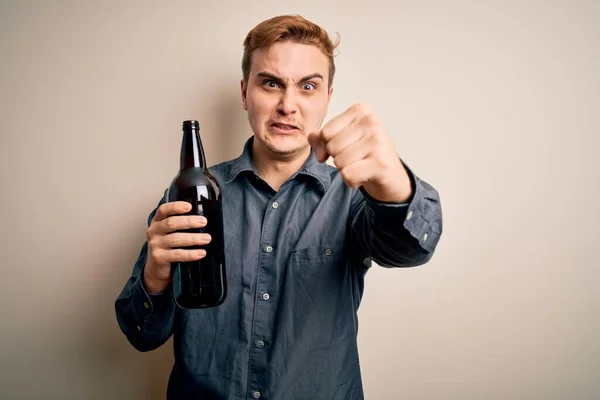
(364, 154)
(165, 242)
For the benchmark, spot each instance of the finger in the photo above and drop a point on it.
(357, 151)
(172, 208)
(345, 138)
(358, 173)
(181, 239)
(181, 222)
(340, 122)
(182, 255)
(318, 144)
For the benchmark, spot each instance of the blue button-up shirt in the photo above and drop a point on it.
(296, 261)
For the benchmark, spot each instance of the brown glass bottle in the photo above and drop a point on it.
(202, 283)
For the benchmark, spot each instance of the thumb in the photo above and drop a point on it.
(318, 144)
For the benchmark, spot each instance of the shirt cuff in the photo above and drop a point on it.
(420, 214)
(146, 304)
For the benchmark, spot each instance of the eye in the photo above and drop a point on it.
(270, 83)
(308, 86)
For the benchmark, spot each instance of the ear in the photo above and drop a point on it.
(244, 88)
(329, 95)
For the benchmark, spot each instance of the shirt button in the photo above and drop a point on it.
(275, 204)
(268, 249)
(327, 252)
(138, 328)
(266, 296)
(146, 304)
(260, 344)
(409, 215)
(425, 237)
(256, 395)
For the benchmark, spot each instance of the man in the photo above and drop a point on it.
(300, 236)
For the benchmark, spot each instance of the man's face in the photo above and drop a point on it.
(286, 97)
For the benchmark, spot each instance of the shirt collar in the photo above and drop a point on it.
(311, 168)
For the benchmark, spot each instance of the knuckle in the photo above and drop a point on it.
(180, 255)
(152, 243)
(155, 255)
(170, 224)
(175, 239)
(189, 255)
(380, 142)
(193, 255)
(360, 108)
(195, 239)
(163, 211)
(331, 148)
(326, 133)
(185, 239)
(369, 120)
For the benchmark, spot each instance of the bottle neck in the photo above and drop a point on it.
(192, 152)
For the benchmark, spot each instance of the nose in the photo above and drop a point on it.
(287, 103)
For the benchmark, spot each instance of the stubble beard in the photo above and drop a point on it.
(280, 154)
(287, 153)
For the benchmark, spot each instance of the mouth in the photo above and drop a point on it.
(284, 127)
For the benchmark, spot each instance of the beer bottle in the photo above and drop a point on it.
(202, 283)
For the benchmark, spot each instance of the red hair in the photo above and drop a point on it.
(287, 27)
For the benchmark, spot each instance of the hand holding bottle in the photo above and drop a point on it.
(200, 282)
(165, 242)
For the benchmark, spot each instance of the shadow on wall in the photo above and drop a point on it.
(129, 373)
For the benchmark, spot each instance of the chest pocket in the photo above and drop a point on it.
(321, 295)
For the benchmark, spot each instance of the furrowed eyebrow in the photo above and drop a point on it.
(312, 76)
(275, 78)
(280, 81)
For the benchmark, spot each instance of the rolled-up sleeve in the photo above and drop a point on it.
(398, 235)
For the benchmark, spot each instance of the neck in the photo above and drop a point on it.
(277, 170)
